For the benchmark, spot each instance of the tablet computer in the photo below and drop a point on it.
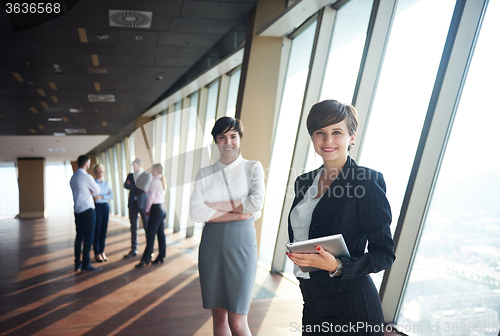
(334, 244)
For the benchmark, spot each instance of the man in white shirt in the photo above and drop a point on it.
(83, 187)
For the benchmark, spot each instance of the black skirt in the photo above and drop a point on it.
(333, 306)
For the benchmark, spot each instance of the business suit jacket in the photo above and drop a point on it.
(354, 205)
(137, 189)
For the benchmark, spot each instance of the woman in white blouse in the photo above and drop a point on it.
(156, 217)
(228, 196)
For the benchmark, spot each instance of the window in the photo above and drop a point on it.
(163, 150)
(9, 202)
(109, 177)
(454, 281)
(57, 188)
(406, 81)
(124, 175)
(213, 94)
(189, 157)
(175, 162)
(116, 180)
(346, 49)
(232, 95)
(284, 139)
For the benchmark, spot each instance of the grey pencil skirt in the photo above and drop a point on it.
(227, 262)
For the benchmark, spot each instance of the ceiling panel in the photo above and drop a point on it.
(200, 26)
(182, 34)
(215, 10)
(163, 8)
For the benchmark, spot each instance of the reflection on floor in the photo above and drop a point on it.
(42, 295)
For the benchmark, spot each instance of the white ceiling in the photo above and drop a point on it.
(13, 147)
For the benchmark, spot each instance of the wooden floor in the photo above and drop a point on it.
(40, 294)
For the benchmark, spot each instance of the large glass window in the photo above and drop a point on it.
(163, 146)
(109, 177)
(175, 161)
(284, 139)
(346, 50)
(117, 182)
(189, 158)
(403, 93)
(9, 197)
(454, 284)
(232, 95)
(124, 175)
(57, 188)
(213, 96)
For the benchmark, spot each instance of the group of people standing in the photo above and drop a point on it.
(91, 208)
(228, 196)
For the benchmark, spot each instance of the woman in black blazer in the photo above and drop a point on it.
(340, 197)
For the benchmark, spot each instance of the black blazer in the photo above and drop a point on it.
(138, 191)
(354, 205)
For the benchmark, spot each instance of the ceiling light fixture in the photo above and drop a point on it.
(44, 105)
(32, 109)
(101, 98)
(95, 59)
(102, 36)
(55, 119)
(41, 92)
(57, 149)
(59, 134)
(74, 110)
(58, 68)
(75, 130)
(18, 77)
(82, 33)
(52, 86)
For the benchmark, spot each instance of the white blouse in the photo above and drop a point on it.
(241, 179)
(301, 216)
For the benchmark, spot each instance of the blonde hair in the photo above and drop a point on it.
(159, 168)
(99, 165)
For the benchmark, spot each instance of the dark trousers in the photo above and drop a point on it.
(85, 224)
(156, 227)
(133, 214)
(101, 227)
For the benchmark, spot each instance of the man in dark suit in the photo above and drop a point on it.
(138, 183)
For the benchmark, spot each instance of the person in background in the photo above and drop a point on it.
(138, 183)
(157, 214)
(340, 197)
(83, 187)
(101, 213)
(228, 196)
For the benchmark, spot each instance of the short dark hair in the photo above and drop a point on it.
(330, 112)
(82, 160)
(226, 124)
